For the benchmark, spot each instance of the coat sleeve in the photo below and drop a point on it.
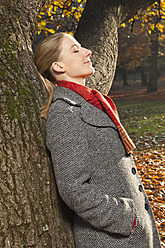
(68, 144)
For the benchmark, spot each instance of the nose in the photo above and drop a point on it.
(87, 52)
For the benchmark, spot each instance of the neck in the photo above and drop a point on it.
(80, 81)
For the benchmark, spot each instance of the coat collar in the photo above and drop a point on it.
(88, 113)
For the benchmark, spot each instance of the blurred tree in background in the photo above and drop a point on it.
(139, 41)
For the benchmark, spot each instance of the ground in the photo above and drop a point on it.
(143, 115)
(136, 92)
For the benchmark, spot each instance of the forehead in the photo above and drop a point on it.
(69, 41)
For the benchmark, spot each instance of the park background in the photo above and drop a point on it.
(31, 212)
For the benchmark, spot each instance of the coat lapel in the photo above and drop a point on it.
(88, 113)
(94, 116)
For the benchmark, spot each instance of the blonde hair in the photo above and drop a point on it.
(46, 53)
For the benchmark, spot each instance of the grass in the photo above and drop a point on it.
(143, 120)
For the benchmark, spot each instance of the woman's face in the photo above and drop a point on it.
(75, 60)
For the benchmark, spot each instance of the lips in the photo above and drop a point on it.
(88, 62)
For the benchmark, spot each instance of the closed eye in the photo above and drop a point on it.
(75, 48)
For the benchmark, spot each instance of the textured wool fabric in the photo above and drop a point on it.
(96, 178)
(105, 104)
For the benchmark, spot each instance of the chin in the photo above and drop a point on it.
(92, 71)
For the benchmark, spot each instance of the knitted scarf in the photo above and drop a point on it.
(105, 104)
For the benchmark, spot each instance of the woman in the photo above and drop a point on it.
(91, 153)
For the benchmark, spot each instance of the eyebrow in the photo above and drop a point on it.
(78, 45)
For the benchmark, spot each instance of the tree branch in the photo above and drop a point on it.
(130, 8)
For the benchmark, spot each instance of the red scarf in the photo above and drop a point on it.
(103, 103)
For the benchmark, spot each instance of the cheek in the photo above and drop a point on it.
(74, 69)
(75, 65)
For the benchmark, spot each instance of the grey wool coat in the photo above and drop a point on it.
(96, 178)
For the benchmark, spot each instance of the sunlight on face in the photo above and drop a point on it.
(76, 60)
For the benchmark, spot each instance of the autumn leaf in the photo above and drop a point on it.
(160, 27)
(153, 178)
(52, 31)
(123, 25)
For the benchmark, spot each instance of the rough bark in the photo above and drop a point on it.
(154, 72)
(31, 213)
(30, 210)
(98, 30)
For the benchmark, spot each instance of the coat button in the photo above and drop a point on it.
(134, 171)
(140, 188)
(146, 207)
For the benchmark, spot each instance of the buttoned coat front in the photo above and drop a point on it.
(96, 178)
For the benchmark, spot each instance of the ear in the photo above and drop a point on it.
(56, 67)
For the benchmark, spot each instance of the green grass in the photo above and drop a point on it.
(144, 121)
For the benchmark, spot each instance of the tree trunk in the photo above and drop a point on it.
(124, 76)
(31, 214)
(143, 76)
(154, 72)
(97, 30)
(30, 210)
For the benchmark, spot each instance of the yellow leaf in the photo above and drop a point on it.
(49, 13)
(56, 2)
(162, 5)
(152, 26)
(42, 24)
(71, 33)
(73, 9)
(160, 27)
(151, 13)
(123, 25)
(50, 8)
(52, 12)
(52, 31)
(149, 31)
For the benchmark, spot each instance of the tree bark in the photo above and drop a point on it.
(154, 72)
(31, 214)
(98, 31)
(30, 210)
